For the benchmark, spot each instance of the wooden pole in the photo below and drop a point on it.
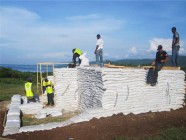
(41, 78)
(53, 69)
(47, 70)
(37, 77)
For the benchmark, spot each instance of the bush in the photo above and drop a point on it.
(14, 74)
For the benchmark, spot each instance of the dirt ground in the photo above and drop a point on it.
(142, 125)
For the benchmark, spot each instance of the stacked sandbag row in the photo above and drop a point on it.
(126, 91)
(65, 81)
(31, 108)
(13, 121)
(90, 88)
(175, 79)
(120, 85)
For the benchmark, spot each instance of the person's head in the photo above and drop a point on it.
(46, 79)
(160, 48)
(98, 36)
(73, 50)
(29, 79)
(173, 29)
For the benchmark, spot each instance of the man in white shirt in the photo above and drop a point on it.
(99, 51)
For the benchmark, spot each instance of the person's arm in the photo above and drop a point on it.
(153, 63)
(176, 39)
(172, 43)
(166, 59)
(96, 49)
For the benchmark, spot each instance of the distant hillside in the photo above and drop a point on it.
(142, 62)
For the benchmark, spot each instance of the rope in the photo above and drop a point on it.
(168, 93)
(66, 89)
(75, 93)
(116, 99)
(127, 93)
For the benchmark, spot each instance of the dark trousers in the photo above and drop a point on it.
(50, 98)
(34, 99)
(152, 75)
(75, 56)
(44, 88)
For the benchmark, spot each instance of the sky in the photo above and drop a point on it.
(33, 31)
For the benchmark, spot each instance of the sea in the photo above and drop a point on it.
(30, 68)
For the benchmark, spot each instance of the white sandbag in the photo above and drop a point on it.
(84, 60)
(16, 97)
(40, 115)
(31, 108)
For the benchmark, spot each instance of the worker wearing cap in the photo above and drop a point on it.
(31, 97)
(161, 58)
(50, 92)
(76, 54)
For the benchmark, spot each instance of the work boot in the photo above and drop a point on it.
(154, 84)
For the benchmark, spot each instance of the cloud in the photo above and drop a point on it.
(166, 43)
(84, 17)
(16, 14)
(32, 38)
(133, 50)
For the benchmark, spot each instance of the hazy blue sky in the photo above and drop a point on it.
(34, 31)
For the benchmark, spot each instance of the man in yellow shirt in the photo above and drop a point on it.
(76, 54)
(50, 92)
(31, 97)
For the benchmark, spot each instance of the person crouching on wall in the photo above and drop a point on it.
(31, 97)
(76, 54)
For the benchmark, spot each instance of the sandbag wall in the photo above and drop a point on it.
(127, 91)
(90, 88)
(13, 121)
(65, 88)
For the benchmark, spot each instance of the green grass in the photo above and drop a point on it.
(8, 90)
(12, 82)
(169, 134)
(31, 120)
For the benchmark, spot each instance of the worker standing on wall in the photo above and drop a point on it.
(31, 97)
(50, 92)
(76, 54)
(99, 51)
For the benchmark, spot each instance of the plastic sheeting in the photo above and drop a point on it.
(47, 126)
